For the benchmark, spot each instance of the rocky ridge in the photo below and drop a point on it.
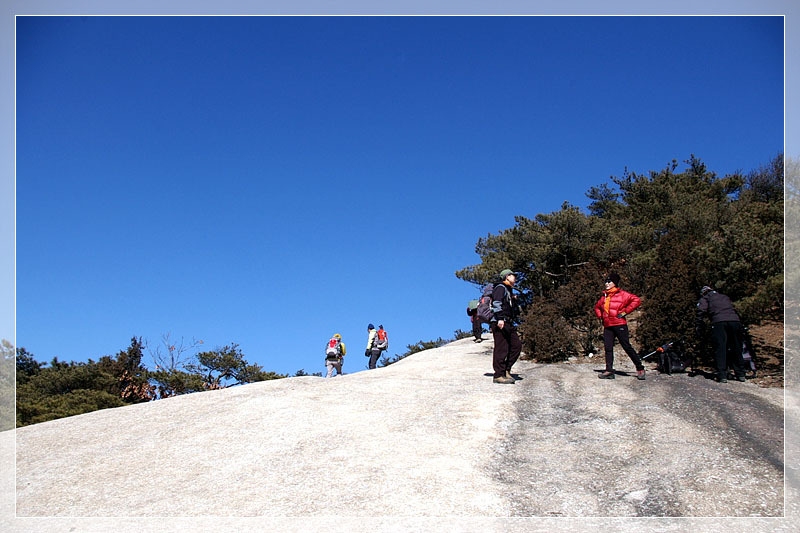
(429, 437)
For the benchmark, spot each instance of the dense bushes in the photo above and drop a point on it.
(65, 389)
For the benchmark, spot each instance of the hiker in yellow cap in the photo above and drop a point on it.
(334, 355)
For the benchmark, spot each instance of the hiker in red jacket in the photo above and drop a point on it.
(611, 308)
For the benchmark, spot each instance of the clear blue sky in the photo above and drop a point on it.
(272, 181)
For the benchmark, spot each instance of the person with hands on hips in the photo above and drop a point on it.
(612, 308)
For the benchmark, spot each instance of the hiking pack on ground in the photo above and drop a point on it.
(334, 348)
(671, 358)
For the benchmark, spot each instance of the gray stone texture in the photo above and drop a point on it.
(428, 442)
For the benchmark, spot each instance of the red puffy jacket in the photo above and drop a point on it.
(621, 302)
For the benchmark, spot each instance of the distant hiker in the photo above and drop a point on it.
(726, 331)
(477, 327)
(373, 351)
(334, 355)
(383, 339)
(507, 345)
(612, 308)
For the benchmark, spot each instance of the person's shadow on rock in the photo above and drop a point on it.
(705, 374)
(516, 377)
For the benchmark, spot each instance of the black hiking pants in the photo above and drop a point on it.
(507, 348)
(373, 358)
(728, 335)
(619, 332)
(477, 328)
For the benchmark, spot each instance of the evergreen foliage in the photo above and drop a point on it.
(671, 304)
(176, 382)
(48, 392)
(461, 334)
(65, 389)
(667, 233)
(221, 368)
(302, 372)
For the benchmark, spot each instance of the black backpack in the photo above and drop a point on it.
(671, 360)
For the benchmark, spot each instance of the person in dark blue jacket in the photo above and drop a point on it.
(507, 346)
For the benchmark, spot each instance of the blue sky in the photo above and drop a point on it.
(272, 181)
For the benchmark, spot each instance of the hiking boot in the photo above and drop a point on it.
(503, 380)
(741, 378)
(509, 376)
(606, 375)
(640, 374)
(721, 379)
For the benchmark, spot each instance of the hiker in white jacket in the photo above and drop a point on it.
(372, 351)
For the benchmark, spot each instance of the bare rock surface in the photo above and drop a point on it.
(429, 437)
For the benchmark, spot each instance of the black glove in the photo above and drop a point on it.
(366, 352)
(622, 315)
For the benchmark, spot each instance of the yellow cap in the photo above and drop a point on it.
(338, 336)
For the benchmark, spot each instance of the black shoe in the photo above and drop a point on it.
(606, 375)
(720, 379)
(741, 378)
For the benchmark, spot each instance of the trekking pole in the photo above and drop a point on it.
(651, 353)
(659, 349)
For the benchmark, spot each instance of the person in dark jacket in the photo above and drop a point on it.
(507, 345)
(726, 331)
(477, 327)
(612, 308)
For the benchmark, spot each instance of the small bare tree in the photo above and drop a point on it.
(173, 355)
